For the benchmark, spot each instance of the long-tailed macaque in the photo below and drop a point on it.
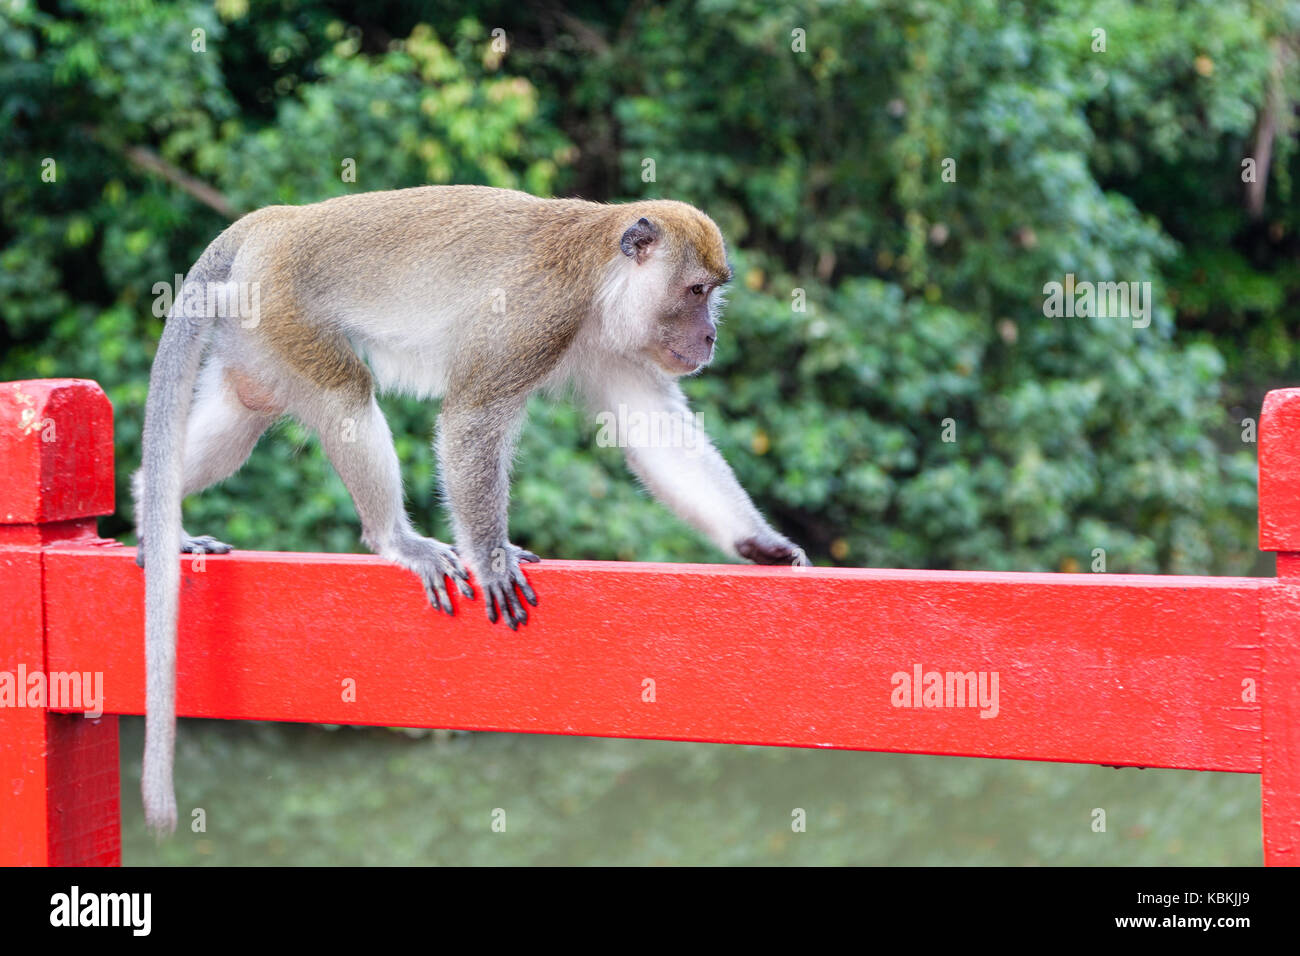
(478, 295)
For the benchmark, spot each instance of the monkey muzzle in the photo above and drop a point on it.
(682, 354)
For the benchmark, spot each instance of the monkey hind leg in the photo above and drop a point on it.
(222, 430)
(359, 445)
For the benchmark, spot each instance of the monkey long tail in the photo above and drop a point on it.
(171, 390)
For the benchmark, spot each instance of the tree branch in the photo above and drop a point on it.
(150, 162)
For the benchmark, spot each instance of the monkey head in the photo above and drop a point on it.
(680, 266)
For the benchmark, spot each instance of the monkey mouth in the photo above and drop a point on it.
(684, 365)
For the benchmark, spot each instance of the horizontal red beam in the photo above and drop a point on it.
(1119, 669)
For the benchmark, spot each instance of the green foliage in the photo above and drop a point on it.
(923, 296)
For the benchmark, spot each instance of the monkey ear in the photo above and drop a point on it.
(638, 239)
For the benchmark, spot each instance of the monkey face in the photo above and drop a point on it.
(687, 331)
(680, 260)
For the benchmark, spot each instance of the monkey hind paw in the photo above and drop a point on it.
(190, 544)
(435, 564)
(203, 544)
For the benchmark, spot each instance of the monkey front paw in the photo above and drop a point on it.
(504, 581)
(435, 563)
(190, 544)
(772, 548)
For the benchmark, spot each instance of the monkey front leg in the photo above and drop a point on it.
(474, 447)
(669, 451)
(700, 486)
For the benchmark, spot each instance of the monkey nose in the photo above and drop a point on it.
(709, 340)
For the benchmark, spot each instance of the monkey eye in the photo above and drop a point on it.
(697, 289)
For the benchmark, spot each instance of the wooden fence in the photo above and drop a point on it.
(1145, 670)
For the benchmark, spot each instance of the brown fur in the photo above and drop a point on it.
(695, 235)
(322, 356)
(561, 247)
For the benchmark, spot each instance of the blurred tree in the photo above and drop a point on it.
(819, 138)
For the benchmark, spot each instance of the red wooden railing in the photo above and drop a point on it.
(1155, 671)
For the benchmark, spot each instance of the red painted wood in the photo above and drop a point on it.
(83, 815)
(56, 451)
(1279, 530)
(1279, 471)
(58, 773)
(1119, 669)
(22, 729)
(1280, 695)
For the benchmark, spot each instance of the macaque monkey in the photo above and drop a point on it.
(478, 295)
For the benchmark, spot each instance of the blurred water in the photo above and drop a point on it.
(300, 794)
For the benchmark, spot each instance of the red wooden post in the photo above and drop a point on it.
(58, 771)
(1279, 531)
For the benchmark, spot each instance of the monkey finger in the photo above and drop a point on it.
(516, 605)
(528, 556)
(465, 588)
(450, 565)
(435, 602)
(503, 595)
(800, 559)
(456, 565)
(445, 598)
(438, 596)
(525, 588)
(507, 612)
